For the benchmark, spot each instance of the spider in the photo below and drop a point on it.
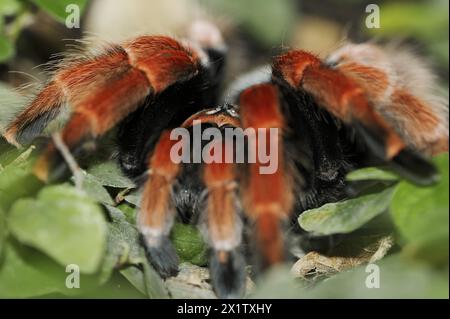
(364, 105)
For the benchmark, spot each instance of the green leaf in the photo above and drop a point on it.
(57, 8)
(27, 273)
(153, 284)
(189, 244)
(421, 215)
(277, 282)
(64, 223)
(124, 249)
(129, 212)
(123, 245)
(399, 278)
(136, 277)
(134, 198)
(6, 49)
(96, 191)
(371, 173)
(145, 279)
(9, 155)
(2, 230)
(17, 181)
(346, 216)
(109, 174)
(117, 287)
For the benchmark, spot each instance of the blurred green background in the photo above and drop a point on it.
(31, 31)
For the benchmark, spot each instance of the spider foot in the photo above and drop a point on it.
(162, 256)
(228, 275)
(414, 167)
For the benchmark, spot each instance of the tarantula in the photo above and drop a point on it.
(364, 105)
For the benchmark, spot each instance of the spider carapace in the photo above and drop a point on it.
(364, 105)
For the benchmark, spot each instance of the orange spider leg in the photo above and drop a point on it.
(402, 89)
(104, 89)
(44, 107)
(224, 225)
(267, 198)
(156, 215)
(420, 123)
(163, 60)
(416, 120)
(341, 96)
(96, 114)
(220, 181)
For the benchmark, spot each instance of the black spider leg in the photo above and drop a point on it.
(228, 277)
(314, 147)
(163, 257)
(409, 163)
(189, 189)
(313, 143)
(186, 199)
(139, 132)
(190, 196)
(228, 269)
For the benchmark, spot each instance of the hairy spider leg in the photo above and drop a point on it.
(346, 100)
(339, 95)
(103, 90)
(157, 212)
(267, 198)
(402, 88)
(419, 123)
(223, 223)
(42, 109)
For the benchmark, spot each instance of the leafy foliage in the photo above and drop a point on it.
(26, 273)
(346, 216)
(62, 222)
(45, 227)
(109, 174)
(418, 270)
(2, 229)
(189, 244)
(421, 216)
(398, 279)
